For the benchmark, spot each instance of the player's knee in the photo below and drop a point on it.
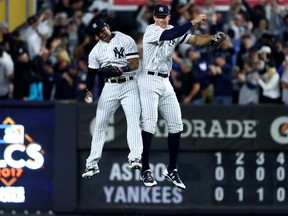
(149, 127)
(175, 128)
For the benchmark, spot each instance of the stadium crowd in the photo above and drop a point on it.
(46, 57)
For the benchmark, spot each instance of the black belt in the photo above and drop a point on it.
(158, 74)
(119, 80)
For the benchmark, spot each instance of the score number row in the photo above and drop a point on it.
(250, 177)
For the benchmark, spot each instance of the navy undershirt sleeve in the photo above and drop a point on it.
(90, 78)
(175, 32)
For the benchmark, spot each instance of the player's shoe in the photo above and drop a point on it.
(135, 164)
(173, 177)
(148, 179)
(89, 172)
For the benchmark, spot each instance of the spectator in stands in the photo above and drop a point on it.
(63, 6)
(143, 18)
(80, 82)
(178, 10)
(236, 84)
(6, 74)
(264, 54)
(48, 79)
(22, 66)
(256, 13)
(200, 67)
(238, 25)
(7, 59)
(5, 37)
(217, 23)
(77, 5)
(249, 92)
(208, 8)
(35, 88)
(32, 37)
(175, 77)
(147, 6)
(274, 14)
(284, 81)
(190, 85)
(262, 28)
(101, 5)
(236, 43)
(285, 48)
(4, 31)
(65, 84)
(87, 16)
(61, 26)
(72, 36)
(270, 84)
(184, 80)
(235, 7)
(81, 27)
(266, 40)
(67, 19)
(285, 28)
(278, 53)
(45, 28)
(228, 51)
(221, 77)
(81, 49)
(245, 46)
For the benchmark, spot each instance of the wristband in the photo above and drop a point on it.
(126, 68)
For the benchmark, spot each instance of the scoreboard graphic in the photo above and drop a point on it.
(232, 160)
(26, 147)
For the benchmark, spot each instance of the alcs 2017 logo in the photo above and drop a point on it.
(17, 155)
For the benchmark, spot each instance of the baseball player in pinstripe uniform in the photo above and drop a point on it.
(114, 58)
(156, 92)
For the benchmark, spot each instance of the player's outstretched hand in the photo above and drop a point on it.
(199, 18)
(88, 97)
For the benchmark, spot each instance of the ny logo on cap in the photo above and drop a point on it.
(161, 9)
(94, 25)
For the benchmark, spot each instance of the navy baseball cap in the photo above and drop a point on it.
(98, 25)
(161, 10)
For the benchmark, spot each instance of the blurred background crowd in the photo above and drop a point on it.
(46, 57)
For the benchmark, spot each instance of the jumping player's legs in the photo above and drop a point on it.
(132, 109)
(149, 98)
(107, 105)
(169, 109)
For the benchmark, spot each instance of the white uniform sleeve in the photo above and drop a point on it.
(92, 60)
(152, 34)
(131, 50)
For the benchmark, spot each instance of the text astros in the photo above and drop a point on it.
(136, 194)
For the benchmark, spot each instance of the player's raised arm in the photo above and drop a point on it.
(179, 31)
(214, 41)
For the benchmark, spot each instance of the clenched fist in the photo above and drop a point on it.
(199, 18)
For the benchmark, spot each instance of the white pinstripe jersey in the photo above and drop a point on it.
(120, 48)
(157, 54)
